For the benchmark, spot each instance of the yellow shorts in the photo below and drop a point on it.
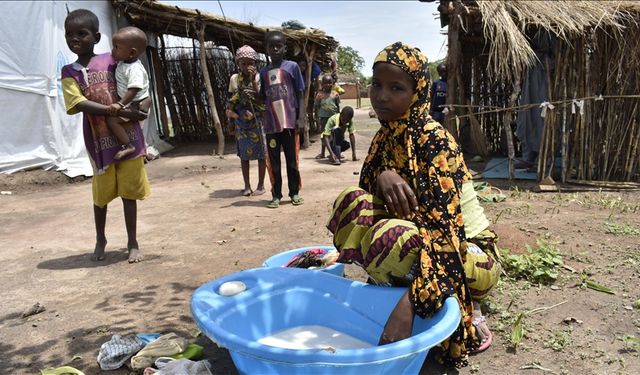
(126, 179)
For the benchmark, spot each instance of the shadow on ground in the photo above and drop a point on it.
(170, 305)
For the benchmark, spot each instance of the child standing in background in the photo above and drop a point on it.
(326, 104)
(247, 113)
(89, 86)
(282, 88)
(132, 82)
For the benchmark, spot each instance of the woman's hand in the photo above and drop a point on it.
(400, 322)
(400, 199)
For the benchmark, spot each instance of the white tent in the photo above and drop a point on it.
(35, 131)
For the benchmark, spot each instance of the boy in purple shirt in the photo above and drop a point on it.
(282, 88)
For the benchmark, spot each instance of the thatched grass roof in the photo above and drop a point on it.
(159, 18)
(505, 23)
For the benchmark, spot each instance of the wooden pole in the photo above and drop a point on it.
(309, 56)
(175, 120)
(212, 102)
(159, 73)
(453, 63)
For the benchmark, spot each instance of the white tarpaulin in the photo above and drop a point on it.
(35, 131)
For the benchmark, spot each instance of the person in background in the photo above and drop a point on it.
(246, 112)
(333, 135)
(282, 89)
(439, 94)
(336, 87)
(326, 104)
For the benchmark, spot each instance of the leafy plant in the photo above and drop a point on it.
(559, 341)
(630, 342)
(517, 331)
(622, 229)
(539, 265)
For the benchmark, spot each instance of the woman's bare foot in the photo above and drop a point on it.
(246, 192)
(135, 255)
(126, 150)
(482, 329)
(98, 252)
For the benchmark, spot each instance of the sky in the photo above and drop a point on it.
(366, 26)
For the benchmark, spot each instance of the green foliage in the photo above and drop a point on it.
(293, 25)
(630, 342)
(595, 286)
(622, 229)
(559, 341)
(612, 203)
(517, 331)
(539, 265)
(433, 69)
(349, 60)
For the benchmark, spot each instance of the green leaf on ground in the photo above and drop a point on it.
(517, 331)
(595, 286)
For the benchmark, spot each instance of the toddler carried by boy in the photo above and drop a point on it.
(132, 83)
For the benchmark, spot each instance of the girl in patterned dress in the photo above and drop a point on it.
(246, 113)
(404, 224)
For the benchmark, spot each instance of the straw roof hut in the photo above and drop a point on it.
(223, 33)
(592, 119)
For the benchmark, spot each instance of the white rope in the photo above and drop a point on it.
(545, 106)
(577, 104)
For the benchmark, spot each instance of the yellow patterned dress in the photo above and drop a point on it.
(426, 253)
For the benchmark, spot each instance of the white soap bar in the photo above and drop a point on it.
(313, 337)
(231, 288)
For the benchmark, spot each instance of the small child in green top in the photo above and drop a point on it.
(333, 135)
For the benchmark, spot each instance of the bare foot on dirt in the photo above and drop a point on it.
(135, 255)
(259, 191)
(128, 149)
(246, 192)
(98, 252)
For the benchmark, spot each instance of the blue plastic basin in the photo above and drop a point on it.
(280, 298)
(281, 259)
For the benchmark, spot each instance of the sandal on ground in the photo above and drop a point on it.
(485, 342)
(258, 192)
(297, 200)
(274, 203)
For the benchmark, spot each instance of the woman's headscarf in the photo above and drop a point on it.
(425, 155)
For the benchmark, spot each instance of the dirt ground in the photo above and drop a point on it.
(195, 227)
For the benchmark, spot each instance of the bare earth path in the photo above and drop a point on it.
(196, 227)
